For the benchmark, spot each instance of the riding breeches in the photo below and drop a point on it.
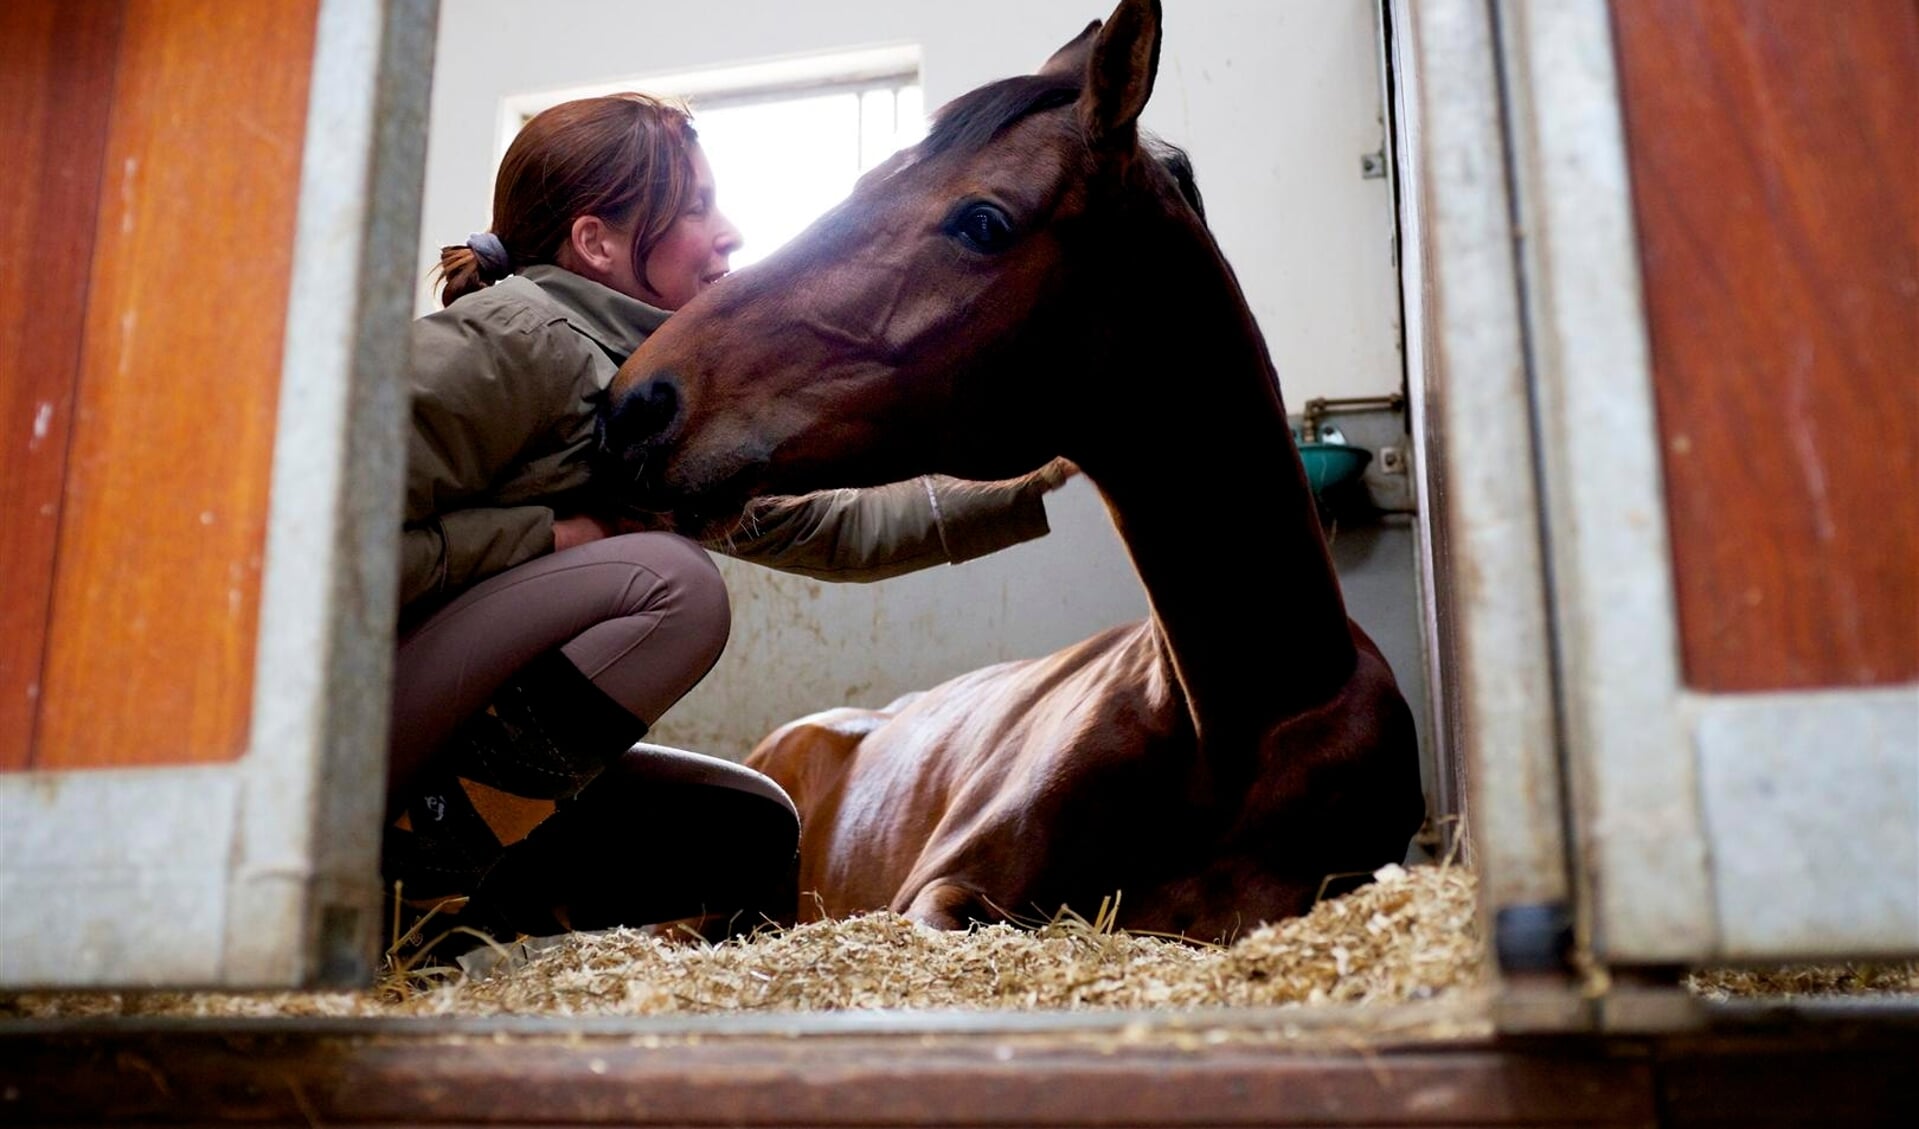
(644, 616)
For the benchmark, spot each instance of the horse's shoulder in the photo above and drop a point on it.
(1366, 718)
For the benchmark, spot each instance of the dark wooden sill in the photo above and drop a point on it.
(1757, 1067)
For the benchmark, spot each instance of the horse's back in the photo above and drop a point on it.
(953, 787)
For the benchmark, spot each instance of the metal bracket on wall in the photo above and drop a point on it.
(1318, 408)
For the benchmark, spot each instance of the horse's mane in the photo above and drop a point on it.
(973, 120)
(1180, 167)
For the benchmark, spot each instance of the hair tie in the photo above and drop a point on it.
(492, 256)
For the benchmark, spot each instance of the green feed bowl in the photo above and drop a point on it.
(1331, 464)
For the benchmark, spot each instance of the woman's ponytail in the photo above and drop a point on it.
(478, 263)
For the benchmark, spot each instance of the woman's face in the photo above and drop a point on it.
(694, 253)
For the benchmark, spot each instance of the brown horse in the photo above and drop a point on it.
(1030, 282)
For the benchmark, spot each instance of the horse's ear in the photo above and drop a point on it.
(1071, 59)
(1119, 75)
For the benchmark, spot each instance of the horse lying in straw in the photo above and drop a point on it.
(975, 309)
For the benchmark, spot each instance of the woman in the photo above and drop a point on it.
(538, 642)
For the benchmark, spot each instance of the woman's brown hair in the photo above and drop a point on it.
(618, 157)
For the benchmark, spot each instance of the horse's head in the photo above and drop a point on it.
(953, 315)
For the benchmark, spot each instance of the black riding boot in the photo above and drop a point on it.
(545, 735)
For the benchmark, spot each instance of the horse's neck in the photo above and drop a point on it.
(1217, 515)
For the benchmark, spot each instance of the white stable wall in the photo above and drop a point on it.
(1275, 100)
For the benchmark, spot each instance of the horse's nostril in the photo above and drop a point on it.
(647, 411)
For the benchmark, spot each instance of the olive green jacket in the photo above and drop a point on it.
(506, 382)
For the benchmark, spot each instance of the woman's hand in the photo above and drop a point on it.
(1053, 475)
(579, 529)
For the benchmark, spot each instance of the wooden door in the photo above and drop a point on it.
(1721, 239)
(205, 245)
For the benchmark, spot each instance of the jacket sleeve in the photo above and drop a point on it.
(886, 531)
(448, 552)
(485, 388)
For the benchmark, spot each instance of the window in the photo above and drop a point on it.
(786, 139)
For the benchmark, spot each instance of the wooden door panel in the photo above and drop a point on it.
(1774, 154)
(56, 81)
(150, 645)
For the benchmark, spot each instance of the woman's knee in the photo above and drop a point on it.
(685, 572)
(665, 628)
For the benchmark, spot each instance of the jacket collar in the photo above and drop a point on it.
(615, 322)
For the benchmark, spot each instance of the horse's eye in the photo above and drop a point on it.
(982, 227)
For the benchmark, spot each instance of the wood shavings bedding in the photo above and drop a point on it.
(1409, 935)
